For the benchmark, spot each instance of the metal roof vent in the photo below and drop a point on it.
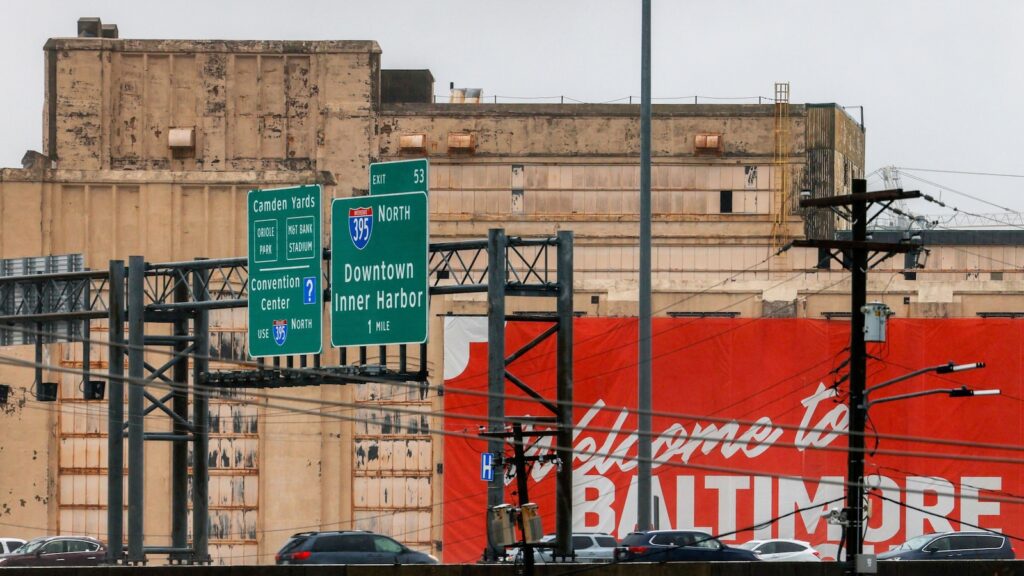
(90, 28)
(467, 95)
(707, 143)
(461, 143)
(182, 141)
(412, 143)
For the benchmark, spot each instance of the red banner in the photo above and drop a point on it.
(749, 426)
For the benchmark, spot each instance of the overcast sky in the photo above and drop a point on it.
(939, 81)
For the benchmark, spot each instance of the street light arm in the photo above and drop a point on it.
(946, 368)
(960, 392)
(959, 367)
(907, 376)
(910, 395)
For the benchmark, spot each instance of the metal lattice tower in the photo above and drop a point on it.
(780, 167)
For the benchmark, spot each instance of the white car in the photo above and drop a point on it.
(592, 547)
(8, 545)
(782, 550)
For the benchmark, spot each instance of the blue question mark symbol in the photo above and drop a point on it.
(310, 286)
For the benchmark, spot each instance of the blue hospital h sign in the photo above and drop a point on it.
(486, 466)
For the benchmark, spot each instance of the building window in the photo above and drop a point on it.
(725, 201)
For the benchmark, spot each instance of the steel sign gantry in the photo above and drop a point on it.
(182, 294)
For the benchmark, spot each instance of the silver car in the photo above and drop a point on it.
(589, 547)
(783, 550)
(9, 545)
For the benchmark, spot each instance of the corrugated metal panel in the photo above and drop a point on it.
(233, 456)
(56, 298)
(392, 467)
(81, 449)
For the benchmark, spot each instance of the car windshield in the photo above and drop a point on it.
(31, 546)
(293, 543)
(915, 543)
(749, 545)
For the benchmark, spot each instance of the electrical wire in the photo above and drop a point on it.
(483, 418)
(675, 415)
(815, 506)
(958, 192)
(935, 515)
(960, 172)
(907, 473)
(590, 453)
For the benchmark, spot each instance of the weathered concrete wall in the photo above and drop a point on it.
(254, 106)
(163, 215)
(28, 449)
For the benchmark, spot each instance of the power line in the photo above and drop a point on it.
(936, 515)
(474, 417)
(907, 473)
(955, 191)
(453, 433)
(734, 469)
(961, 172)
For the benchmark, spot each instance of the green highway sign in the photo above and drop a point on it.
(285, 256)
(398, 177)
(379, 288)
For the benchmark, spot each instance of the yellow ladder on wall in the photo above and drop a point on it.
(780, 168)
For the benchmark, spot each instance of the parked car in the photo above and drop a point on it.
(348, 547)
(678, 546)
(782, 550)
(9, 545)
(953, 546)
(58, 551)
(588, 547)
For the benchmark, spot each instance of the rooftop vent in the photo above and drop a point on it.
(707, 143)
(412, 143)
(467, 95)
(461, 143)
(89, 27)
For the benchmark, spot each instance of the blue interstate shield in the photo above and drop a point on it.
(280, 331)
(360, 226)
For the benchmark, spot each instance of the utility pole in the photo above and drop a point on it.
(520, 462)
(862, 256)
(644, 393)
(523, 492)
(858, 371)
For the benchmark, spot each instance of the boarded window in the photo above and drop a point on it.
(725, 201)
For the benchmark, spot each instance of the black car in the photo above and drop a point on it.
(953, 546)
(348, 547)
(58, 551)
(678, 546)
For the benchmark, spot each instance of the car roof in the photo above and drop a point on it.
(308, 534)
(964, 533)
(682, 531)
(790, 540)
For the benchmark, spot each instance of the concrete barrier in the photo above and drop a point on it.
(919, 568)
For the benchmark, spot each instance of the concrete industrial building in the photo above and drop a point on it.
(149, 147)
